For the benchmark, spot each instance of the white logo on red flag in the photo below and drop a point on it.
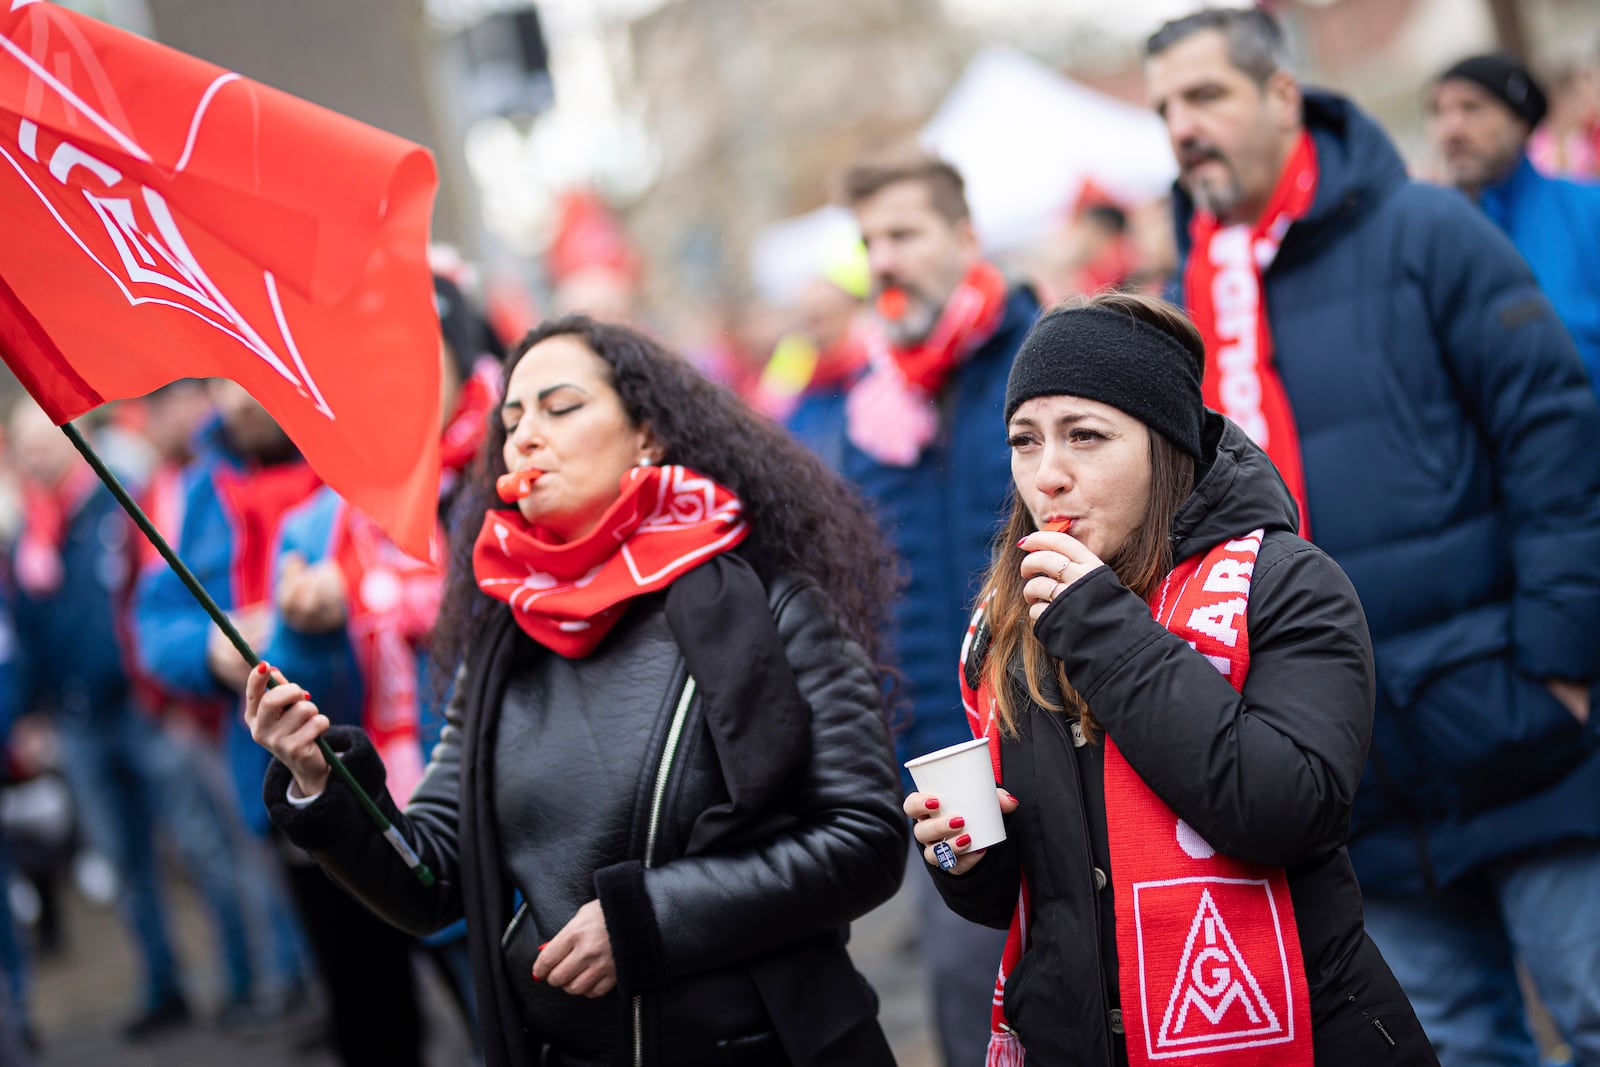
(1224, 994)
(152, 262)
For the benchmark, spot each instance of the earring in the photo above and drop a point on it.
(645, 461)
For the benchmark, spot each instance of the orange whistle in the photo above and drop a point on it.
(516, 485)
(892, 304)
(1059, 526)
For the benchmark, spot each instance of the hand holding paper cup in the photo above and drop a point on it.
(962, 778)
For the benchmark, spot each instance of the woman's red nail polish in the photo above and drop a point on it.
(1022, 542)
(536, 978)
(544, 946)
(932, 804)
(261, 668)
(963, 841)
(957, 822)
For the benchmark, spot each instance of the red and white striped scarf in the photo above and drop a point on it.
(1209, 953)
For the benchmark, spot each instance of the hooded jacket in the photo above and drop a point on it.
(1451, 445)
(1266, 774)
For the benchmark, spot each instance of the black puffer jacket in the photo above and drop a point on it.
(1266, 775)
(595, 771)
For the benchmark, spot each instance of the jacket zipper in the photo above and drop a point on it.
(516, 921)
(669, 752)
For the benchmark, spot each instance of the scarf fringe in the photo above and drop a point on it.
(1004, 1051)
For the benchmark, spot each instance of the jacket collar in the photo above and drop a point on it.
(1501, 198)
(1237, 490)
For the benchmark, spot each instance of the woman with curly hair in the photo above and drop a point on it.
(666, 785)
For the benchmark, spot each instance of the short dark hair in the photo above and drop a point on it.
(947, 192)
(1256, 44)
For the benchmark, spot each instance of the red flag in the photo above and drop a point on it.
(165, 218)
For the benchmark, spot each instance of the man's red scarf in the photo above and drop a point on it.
(393, 601)
(892, 414)
(255, 501)
(1222, 285)
(568, 596)
(1208, 950)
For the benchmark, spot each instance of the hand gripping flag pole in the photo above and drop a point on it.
(167, 219)
(220, 617)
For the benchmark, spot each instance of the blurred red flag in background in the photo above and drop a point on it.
(166, 219)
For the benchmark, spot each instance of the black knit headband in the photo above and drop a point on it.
(1106, 355)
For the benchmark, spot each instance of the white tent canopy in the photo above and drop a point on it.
(1025, 138)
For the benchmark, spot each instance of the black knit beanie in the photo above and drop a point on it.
(1110, 356)
(1508, 79)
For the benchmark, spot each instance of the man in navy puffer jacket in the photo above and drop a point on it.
(1450, 445)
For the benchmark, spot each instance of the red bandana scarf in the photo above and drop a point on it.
(1210, 966)
(1222, 285)
(567, 597)
(892, 414)
(393, 600)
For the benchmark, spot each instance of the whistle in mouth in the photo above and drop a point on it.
(514, 486)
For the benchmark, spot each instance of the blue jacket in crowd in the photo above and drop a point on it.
(1555, 224)
(817, 421)
(325, 663)
(942, 515)
(69, 638)
(1452, 453)
(171, 628)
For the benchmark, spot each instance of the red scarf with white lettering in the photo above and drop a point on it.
(1208, 950)
(393, 602)
(1222, 285)
(568, 596)
(892, 414)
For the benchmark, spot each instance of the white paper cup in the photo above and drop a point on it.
(962, 777)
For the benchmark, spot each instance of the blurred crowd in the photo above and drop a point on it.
(125, 764)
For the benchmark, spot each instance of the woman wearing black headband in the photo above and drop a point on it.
(1177, 691)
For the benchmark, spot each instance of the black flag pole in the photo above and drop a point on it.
(218, 616)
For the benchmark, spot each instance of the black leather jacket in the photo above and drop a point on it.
(734, 957)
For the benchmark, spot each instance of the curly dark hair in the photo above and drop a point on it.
(804, 519)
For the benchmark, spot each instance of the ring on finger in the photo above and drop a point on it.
(945, 855)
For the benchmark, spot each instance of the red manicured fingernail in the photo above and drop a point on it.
(544, 946)
(1022, 542)
(536, 978)
(261, 668)
(957, 822)
(932, 804)
(963, 841)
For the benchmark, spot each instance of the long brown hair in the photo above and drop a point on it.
(1140, 563)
